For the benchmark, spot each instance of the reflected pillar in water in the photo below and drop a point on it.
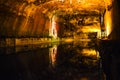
(91, 53)
(52, 55)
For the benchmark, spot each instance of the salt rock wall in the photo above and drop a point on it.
(23, 18)
(115, 34)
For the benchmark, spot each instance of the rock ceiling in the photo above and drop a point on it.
(73, 7)
(53, 6)
(32, 17)
(68, 6)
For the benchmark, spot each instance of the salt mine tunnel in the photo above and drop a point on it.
(34, 18)
(55, 27)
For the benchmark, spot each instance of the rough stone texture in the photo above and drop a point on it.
(115, 34)
(22, 19)
(32, 18)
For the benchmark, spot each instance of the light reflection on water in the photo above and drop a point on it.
(72, 61)
(52, 54)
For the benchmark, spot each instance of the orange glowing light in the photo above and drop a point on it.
(54, 30)
(108, 22)
(92, 29)
(108, 17)
(90, 52)
(53, 53)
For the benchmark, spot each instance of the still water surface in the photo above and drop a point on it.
(51, 61)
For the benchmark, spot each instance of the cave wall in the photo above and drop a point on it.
(32, 18)
(23, 19)
(79, 25)
(115, 34)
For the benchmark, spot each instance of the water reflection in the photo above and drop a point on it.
(52, 54)
(53, 61)
(90, 53)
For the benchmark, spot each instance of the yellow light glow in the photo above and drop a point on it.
(90, 52)
(54, 30)
(108, 22)
(108, 17)
(108, 2)
(68, 40)
(53, 53)
(92, 29)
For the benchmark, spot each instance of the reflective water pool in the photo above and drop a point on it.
(51, 61)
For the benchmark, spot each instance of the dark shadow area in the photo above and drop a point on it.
(67, 61)
(110, 55)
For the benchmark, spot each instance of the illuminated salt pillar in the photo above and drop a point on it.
(53, 30)
(108, 22)
(108, 17)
